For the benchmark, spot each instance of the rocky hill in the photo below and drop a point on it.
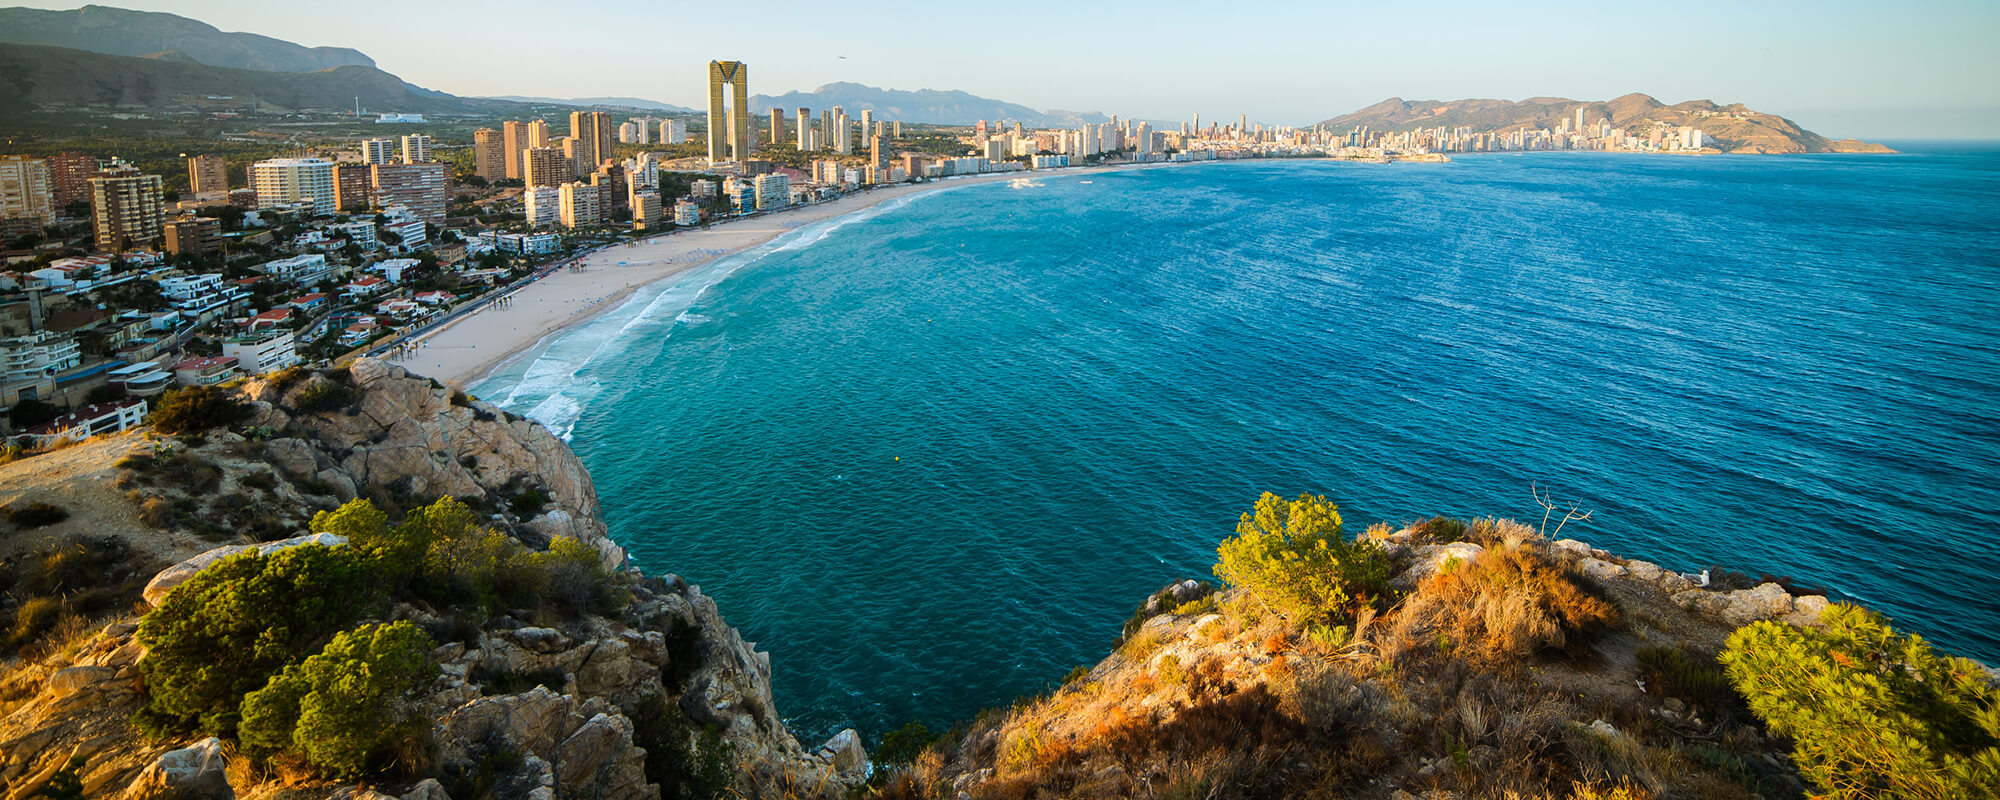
(33, 76)
(1735, 127)
(640, 690)
(122, 32)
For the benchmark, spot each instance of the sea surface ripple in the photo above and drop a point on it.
(932, 455)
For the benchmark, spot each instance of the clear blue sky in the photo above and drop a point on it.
(1883, 70)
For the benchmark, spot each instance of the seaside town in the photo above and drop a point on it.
(115, 288)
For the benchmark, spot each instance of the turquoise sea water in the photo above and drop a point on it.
(930, 456)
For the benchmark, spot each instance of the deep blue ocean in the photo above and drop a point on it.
(931, 455)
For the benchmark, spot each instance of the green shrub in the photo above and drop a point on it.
(1672, 673)
(34, 514)
(227, 630)
(573, 577)
(529, 503)
(193, 409)
(688, 763)
(324, 395)
(1871, 713)
(904, 744)
(1291, 556)
(347, 702)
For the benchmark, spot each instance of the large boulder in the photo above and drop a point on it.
(195, 772)
(164, 582)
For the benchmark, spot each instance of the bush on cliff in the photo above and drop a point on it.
(1508, 603)
(1291, 556)
(227, 630)
(194, 409)
(346, 703)
(1871, 713)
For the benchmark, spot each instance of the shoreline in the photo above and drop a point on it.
(473, 347)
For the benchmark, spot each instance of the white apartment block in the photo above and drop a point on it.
(39, 355)
(25, 191)
(416, 149)
(773, 191)
(305, 269)
(263, 352)
(542, 204)
(378, 151)
(284, 181)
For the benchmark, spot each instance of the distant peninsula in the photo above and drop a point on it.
(1733, 128)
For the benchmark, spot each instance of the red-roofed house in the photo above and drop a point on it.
(308, 302)
(273, 318)
(207, 371)
(364, 287)
(436, 298)
(396, 306)
(358, 332)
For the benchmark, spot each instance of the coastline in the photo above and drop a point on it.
(473, 347)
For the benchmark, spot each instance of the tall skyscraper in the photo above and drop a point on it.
(25, 190)
(353, 187)
(416, 149)
(777, 125)
(728, 127)
(1579, 120)
(867, 122)
(545, 166)
(283, 181)
(378, 151)
(207, 174)
(516, 135)
(825, 129)
(843, 136)
(804, 119)
(596, 139)
(127, 212)
(538, 133)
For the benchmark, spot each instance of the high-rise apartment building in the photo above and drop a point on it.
(777, 126)
(545, 166)
(353, 187)
(283, 181)
(416, 149)
(672, 131)
(69, 178)
(127, 211)
(26, 192)
(542, 204)
(489, 154)
(538, 133)
(378, 151)
(580, 205)
(424, 188)
(728, 127)
(878, 153)
(867, 122)
(1579, 119)
(595, 137)
(646, 210)
(194, 236)
(515, 139)
(208, 174)
(773, 191)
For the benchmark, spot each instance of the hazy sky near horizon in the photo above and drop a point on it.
(1843, 68)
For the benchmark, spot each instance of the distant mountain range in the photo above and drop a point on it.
(60, 77)
(924, 105)
(1735, 128)
(589, 102)
(121, 32)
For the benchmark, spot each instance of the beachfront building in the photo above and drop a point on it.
(289, 181)
(742, 194)
(773, 192)
(686, 212)
(542, 204)
(646, 210)
(266, 351)
(579, 205)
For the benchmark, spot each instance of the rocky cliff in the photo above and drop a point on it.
(522, 706)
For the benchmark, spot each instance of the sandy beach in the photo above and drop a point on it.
(477, 343)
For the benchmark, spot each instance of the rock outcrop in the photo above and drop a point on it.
(541, 707)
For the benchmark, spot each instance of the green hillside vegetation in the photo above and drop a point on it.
(118, 31)
(33, 76)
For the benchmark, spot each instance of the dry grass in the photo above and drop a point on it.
(1509, 603)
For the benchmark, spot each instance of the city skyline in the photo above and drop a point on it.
(1842, 68)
